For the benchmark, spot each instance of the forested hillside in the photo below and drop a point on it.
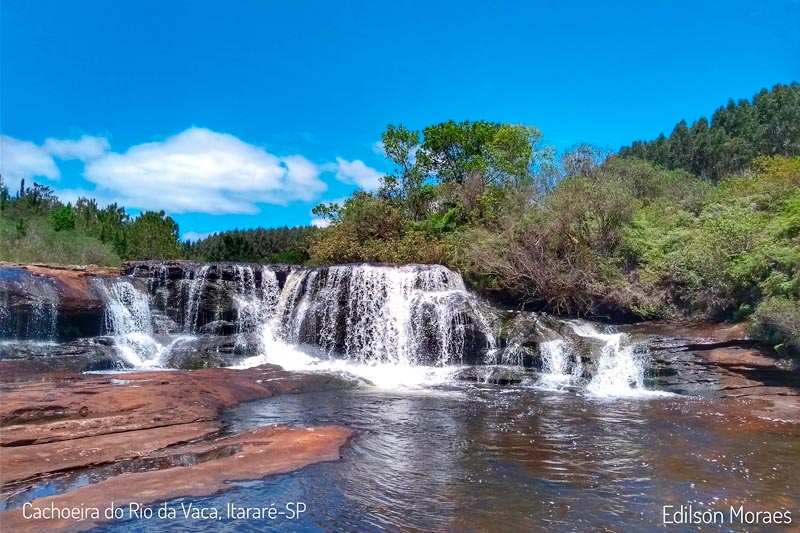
(277, 245)
(725, 143)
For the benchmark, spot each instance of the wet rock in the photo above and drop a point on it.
(219, 327)
(246, 456)
(50, 301)
(531, 329)
(193, 297)
(80, 355)
(492, 375)
(50, 409)
(713, 360)
(211, 351)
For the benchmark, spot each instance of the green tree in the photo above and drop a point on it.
(63, 218)
(153, 235)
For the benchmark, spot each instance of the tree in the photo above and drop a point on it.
(153, 235)
(63, 218)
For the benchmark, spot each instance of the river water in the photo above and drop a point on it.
(491, 458)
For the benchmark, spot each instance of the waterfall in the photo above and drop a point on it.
(197, 282)
(410, 325)
(43, 319)
(619, 367)
(128, 319)
(37, 317)
(254, 306)
(408, 315)
(561, 365)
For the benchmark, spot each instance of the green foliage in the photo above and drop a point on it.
(740, 247)
(278, 245)
(63, 218)
(736, 134)
(777, 321)
(39, 242)
(450, 175)
(153, 235)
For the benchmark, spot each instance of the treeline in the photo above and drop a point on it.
(589, 233)
(37, 227)
(277, 245)
(769, 124)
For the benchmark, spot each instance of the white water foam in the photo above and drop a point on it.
(409, 316)
(561, 366)
(380, 374)
(619, 368)
(129, 320)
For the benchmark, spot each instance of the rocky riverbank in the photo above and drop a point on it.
(151, 436)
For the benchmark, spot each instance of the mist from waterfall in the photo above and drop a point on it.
(561, 365)
(619, 367)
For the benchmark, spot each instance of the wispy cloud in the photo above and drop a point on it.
(85, 149)
(194, 236)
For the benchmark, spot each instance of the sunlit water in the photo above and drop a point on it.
(480, 458)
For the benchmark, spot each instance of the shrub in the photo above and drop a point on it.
(777, 321)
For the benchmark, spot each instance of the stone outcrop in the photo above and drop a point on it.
(717, 360)
(250, 455)
(50, 301)
(200, 297)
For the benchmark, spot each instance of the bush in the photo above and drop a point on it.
(777, 322)
(63, 218)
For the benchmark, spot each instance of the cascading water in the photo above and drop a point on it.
(195, 295)
(37, 318)
(409, 325)
(561, 366)
(255, 306)
(128, 319)
(619, 366)
(389, 324)
(406, 315)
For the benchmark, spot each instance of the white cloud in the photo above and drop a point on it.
(379, 148)
(357, 173)
(85, 149)
(24, 160)
(200, 170)
(196, 236)
(320, 222)
(197, 170)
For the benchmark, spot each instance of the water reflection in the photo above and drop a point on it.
(485, 458)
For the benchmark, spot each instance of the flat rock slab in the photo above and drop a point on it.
(25, 462)
(246, 456)
(78, 406)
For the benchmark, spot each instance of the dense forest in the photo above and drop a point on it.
(703, 223)
(769, 124)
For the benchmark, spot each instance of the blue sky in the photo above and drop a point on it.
(248, 113)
